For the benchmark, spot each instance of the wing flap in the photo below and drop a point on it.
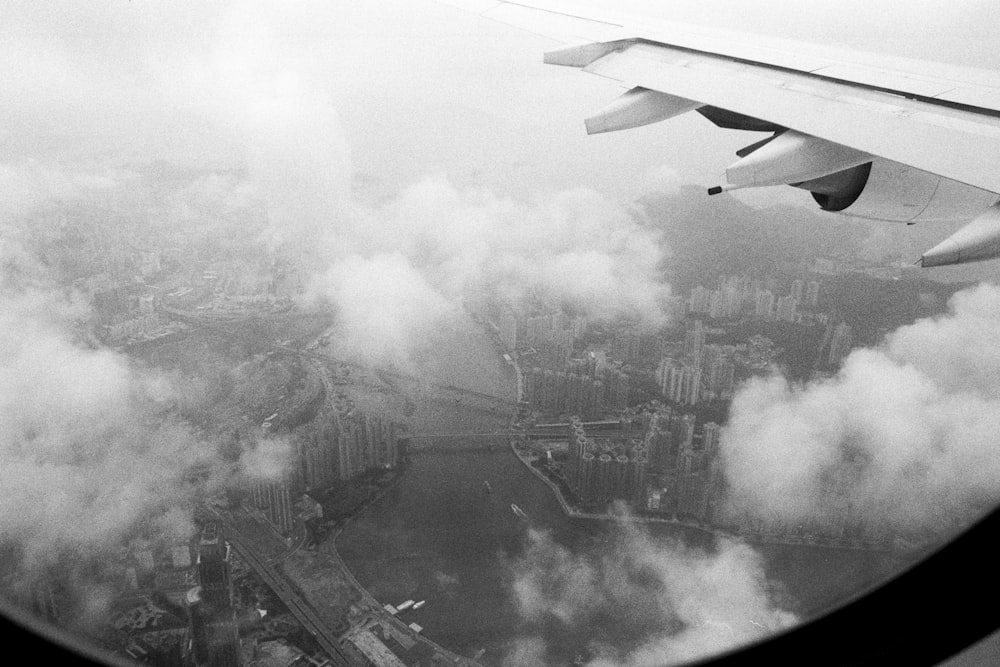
(884, 79)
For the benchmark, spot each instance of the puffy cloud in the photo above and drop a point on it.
(249, 86)
(267, 459)
(675, 602)
(384, 306)
(398, 271)
(86, 450)
(91, 447)
(903, 436)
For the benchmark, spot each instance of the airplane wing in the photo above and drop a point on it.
(869, 135)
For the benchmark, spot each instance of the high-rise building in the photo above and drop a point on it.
(812, 294)
(690, 494)
(604, 487)
(635, 481)
(214, 638)
(586, 477)
(711, 432)
(605, 470)
(719, 375)
(274, 499)
(797, 290)
(577, 447)
(713, 490)
(683, 384)
(694, 342)
(508, 329)
(700, 300)
(625, 345)
(682, 431)
(840, 343)
(657, 440)
(615, 384)
(785, 309)
(764, 304)
(674, 308)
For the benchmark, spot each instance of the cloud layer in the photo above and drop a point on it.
(91, 447)
(904, 436)
(673, 602)
(397, 271)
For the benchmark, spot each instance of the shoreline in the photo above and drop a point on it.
(379, 614)
(574, 513)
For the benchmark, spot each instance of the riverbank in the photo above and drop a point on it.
(575, 513)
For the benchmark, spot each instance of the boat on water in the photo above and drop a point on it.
(405, 605)
(486, 485)
(418, 605)
(518, 512)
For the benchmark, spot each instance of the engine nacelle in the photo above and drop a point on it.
(886, 190)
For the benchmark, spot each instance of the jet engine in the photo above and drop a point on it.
(844, 180)
(841, 179)
(885, 190)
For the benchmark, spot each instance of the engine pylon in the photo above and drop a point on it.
(638, 107)
(975, 242)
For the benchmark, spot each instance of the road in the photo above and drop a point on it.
(301, 609)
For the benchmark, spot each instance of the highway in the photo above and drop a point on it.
(301, 609)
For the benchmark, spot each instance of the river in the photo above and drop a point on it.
(441, 536)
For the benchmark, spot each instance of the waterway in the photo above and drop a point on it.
(440, 536)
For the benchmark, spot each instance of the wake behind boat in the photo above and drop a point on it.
(518, 512)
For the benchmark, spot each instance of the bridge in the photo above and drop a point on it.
(455, 442)
(471, 441)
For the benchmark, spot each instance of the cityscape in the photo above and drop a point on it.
(327, 342)
(612, 418)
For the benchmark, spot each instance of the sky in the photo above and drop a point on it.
(400, 148)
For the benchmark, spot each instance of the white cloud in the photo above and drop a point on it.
(384, 307)
(678, 602)
(904, 435)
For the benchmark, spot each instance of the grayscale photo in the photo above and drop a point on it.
(545, 333)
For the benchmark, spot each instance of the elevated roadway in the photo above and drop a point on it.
(244, 545)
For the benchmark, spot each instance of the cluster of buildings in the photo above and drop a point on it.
(698, 372)
(580, 389)
(214, 632)
(127, 303)
(342, 446)
(662, 463)
(658, 462)
(840, 524)
(741, 296)
(554, 381)
(684, 476)
(548, 337)
(257, 279)
(199, 627)
(121, 310)
(600, 470)
(701, 372)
